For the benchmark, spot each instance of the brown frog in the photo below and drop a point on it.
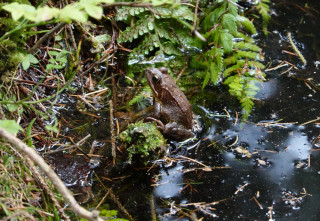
(172, 110)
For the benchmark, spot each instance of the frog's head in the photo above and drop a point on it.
(157, 79)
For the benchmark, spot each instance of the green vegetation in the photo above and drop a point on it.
(229, 54)
(143, 140)
(21, 196)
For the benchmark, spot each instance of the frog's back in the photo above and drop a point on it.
(176, 107)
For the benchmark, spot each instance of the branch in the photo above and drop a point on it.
(66, 194)
(46, 36)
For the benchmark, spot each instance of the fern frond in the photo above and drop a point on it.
(246, 46)
(145, 47)
(247, 106)
(256, 65)
(162, 29)
(248, 54)
(231, 69)
(263, 9)
(171, 49)
(182, 12)
(139, 28)
(246, 23)
(124, 13)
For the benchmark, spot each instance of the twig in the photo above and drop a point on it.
(71, 147)
(282, 64)
(66, 194)
(181, 72)
(74, 45)
(120, 206)
(296, 49)
(113, 144)
(46, 188)
(205, 169)
(103, 198)
(153, 209)
(239, 6)
(195, 16)
(239, 189)
(192, 160)
(257, 202)
(44, 37)
(2, 116)
(270, 212)
(310, 121)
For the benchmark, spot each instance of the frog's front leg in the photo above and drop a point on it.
(173, 130)
(177, 132)
(161, 126)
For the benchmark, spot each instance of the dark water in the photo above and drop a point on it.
(273, 159)
(281, 179)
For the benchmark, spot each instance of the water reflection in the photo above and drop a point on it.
(170, 183)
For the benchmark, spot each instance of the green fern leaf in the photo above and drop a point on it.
(231, 69)
(263, 9)
(214, 73)
(226, 41)
(186, 39)
(245, 37)
(233, 9)
(247, 24)
(246, 46)
(182, 12)
(206, 79)
(247, 106)
(124, 13)
(162, 30)
(171, 49)
(229, 22)
(145, 47)
(256, 64)
(139, 28)
(248, 54)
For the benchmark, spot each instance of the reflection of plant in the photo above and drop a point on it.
(229, 55)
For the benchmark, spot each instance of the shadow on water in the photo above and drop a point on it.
(272, 159)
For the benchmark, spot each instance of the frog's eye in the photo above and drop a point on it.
(155, 79)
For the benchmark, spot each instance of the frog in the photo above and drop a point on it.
(172, 110)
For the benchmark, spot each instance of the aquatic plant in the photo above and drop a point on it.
(143, 140)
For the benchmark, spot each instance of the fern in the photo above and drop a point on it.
(263, 9)
(139, 28)
(229, 55)
(244, 89)
(232, 62)
(124, 13)
(154, 33)
(246, 46)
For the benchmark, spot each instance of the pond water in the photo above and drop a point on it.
(265, 168)
(279, 177)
